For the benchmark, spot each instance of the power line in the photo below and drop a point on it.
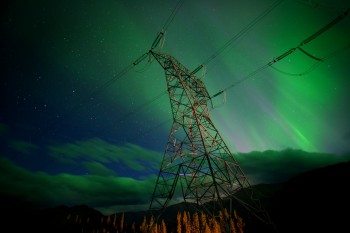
(136, 110)
(269, 64)
(317, 5)
(151, 129)
(141, 58)
(220, 50)
(155, 43)
(172, 15)
(290, 51)
(325, 28)
(88, 98)
(242, 32)
(97, 90)
(166, 25)
(109, 82)
(329, 56)
(314, 66)
(228, 43)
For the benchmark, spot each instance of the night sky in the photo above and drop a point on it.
(76, 129)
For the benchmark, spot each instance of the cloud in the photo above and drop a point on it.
(23, 146)
(98, 169)
(278, 166)
(44, 190)
(97, 150)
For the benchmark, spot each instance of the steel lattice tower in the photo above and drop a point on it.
(196, 156)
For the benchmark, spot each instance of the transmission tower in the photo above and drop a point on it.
(196, 158)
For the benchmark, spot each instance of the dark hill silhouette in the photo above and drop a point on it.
(314, 201)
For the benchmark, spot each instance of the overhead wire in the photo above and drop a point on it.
(269, 64)
(287, 53)
(141, 58)
(242, 32)
(318, 5)
(309, 70)
(314, 66)
(284, 55)
(159, 39)
(97, 90)
(273, 61)
(172, 15)
(309, 39)
(138, 109)
(93, 93)
(228, 43)
(151, 129)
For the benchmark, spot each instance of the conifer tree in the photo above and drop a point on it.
(226, 214)
(122, 223)
(151, 221)
(153, 226)
(184, 218)
(195, 223)
(211, 223)
(163, 227)
(115, 221)
(133, 227)
(239, 222)
(222, 220)
(232, 226)
(203, 221)
(144, 226)
(178, 222)
(187, 222)
(216, 228)
(207, 229)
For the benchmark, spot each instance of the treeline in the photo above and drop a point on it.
(183, 223)
(196, 223)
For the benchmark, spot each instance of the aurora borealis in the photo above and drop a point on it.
(74, 131)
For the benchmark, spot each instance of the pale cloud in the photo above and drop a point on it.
(45, 190)
(94, 168)
(97, 150)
